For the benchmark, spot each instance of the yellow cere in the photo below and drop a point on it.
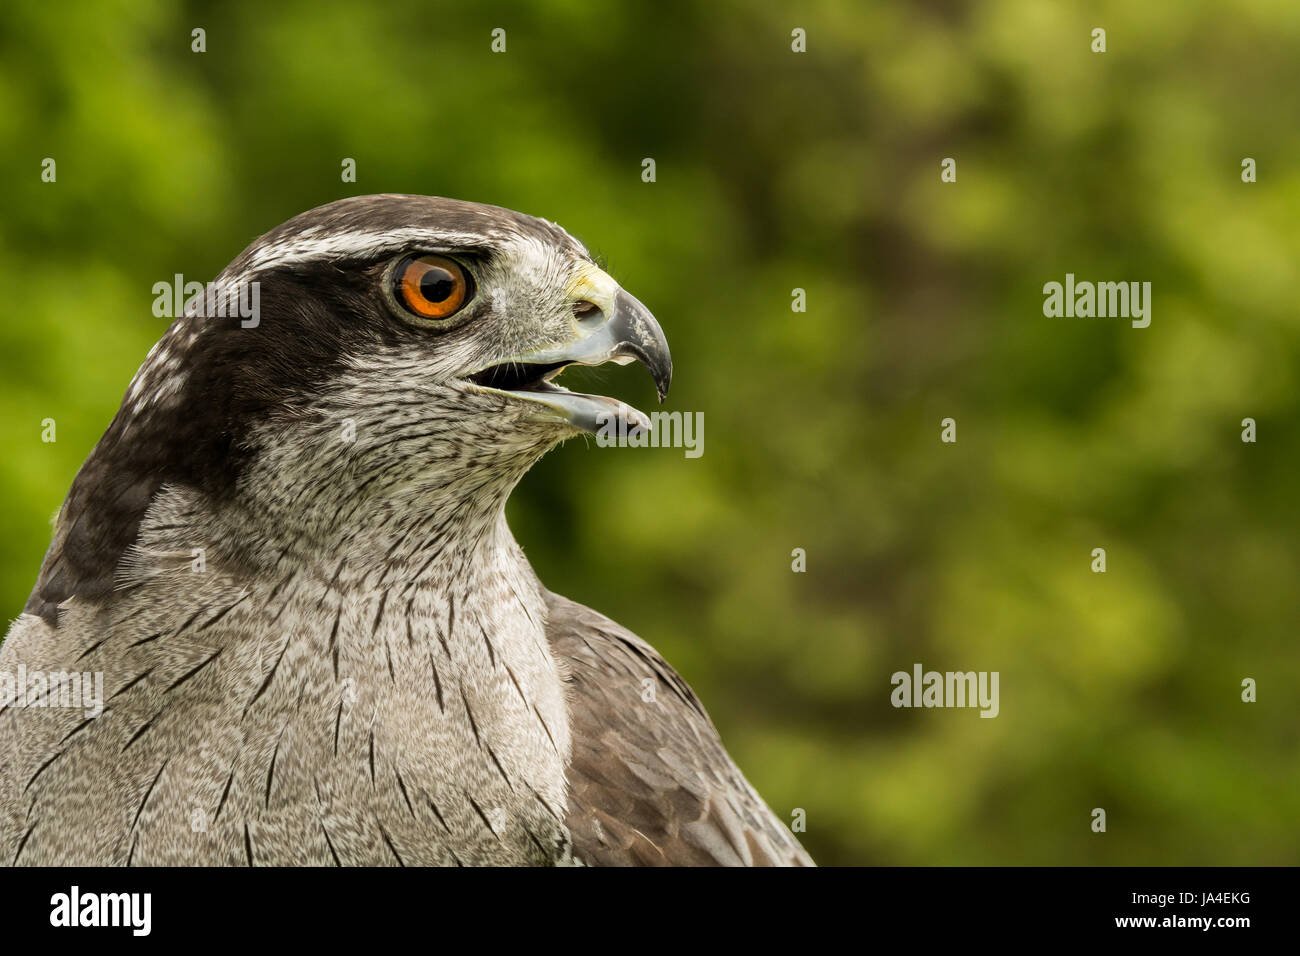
(592, 284)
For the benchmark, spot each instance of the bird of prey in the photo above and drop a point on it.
(319, 642)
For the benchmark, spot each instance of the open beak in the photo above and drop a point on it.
(612, 327)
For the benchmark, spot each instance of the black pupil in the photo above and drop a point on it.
(437, 284)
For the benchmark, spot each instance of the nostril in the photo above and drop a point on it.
(588, 313)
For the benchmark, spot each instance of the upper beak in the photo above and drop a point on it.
(621, 330)
(610, 326)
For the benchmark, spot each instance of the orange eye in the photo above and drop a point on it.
(432, 287)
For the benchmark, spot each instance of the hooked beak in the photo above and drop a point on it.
(618, 329)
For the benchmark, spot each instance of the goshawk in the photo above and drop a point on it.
(320, 644)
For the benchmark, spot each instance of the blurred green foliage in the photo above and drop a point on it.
(779, 170)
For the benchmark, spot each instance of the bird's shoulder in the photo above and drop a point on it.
(650, 782)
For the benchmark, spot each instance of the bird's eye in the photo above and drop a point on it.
(432, 287)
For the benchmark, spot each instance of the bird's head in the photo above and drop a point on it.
(467, 311)
(402, 357)
(410, 327)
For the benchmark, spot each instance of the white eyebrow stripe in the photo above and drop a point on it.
(307, 248)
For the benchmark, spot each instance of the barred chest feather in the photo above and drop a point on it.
(400, 708)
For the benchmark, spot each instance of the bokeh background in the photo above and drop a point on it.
(778, 170)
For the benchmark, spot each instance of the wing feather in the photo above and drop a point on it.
(650, 783)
